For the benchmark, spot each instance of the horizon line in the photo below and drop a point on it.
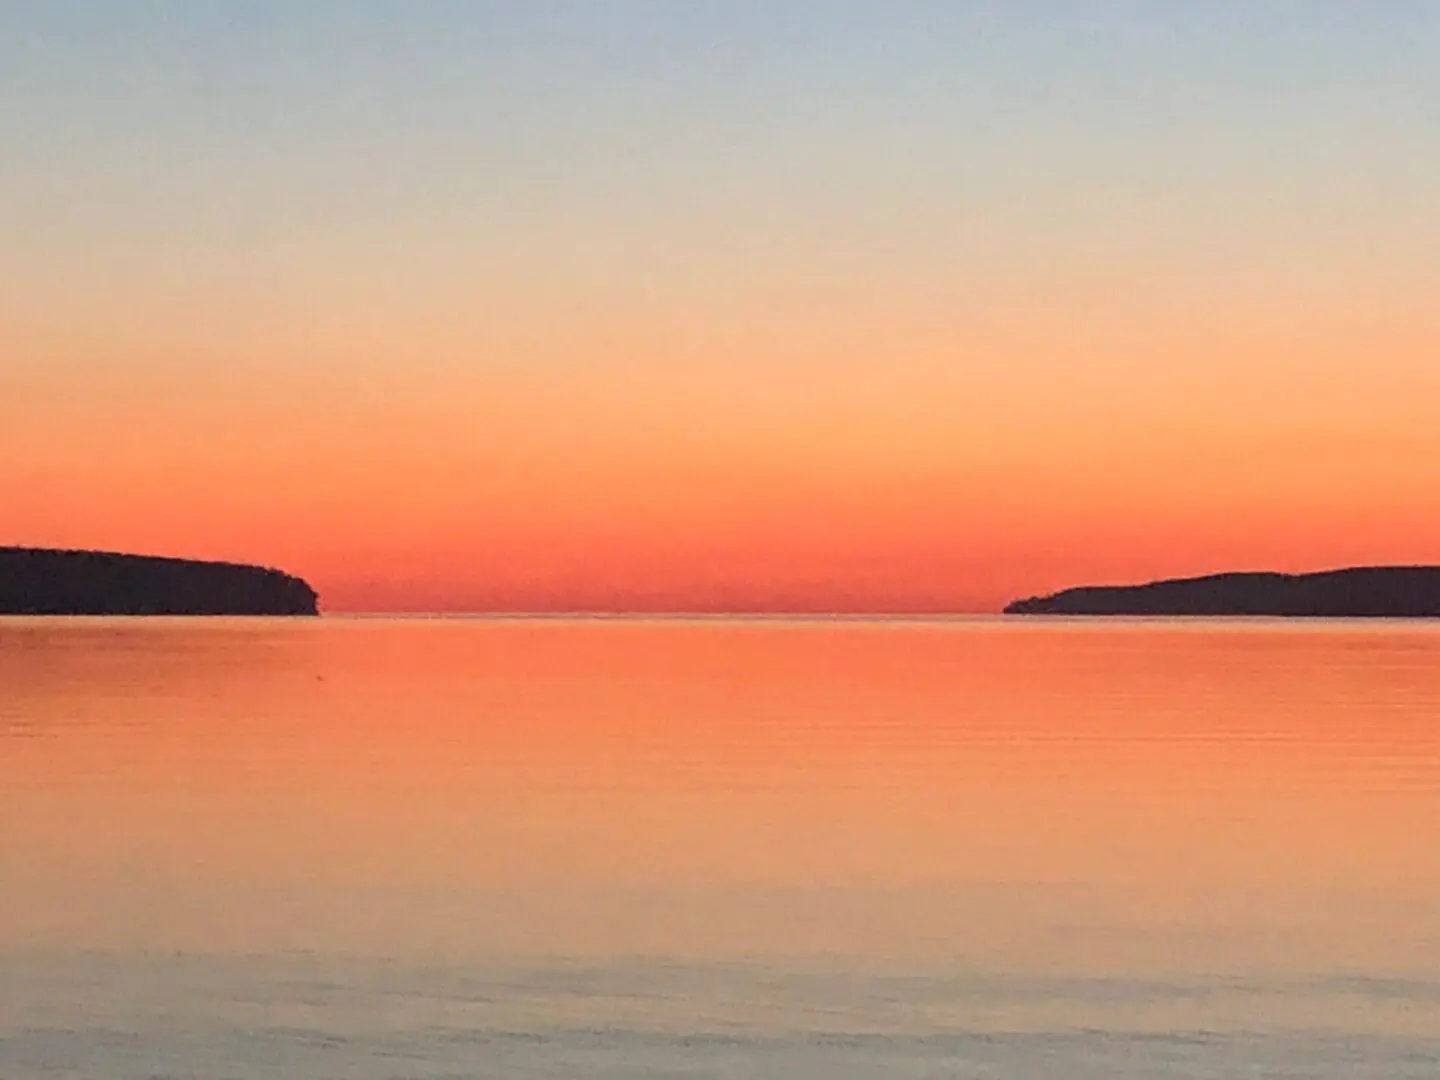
(640, 614)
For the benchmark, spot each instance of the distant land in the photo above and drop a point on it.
(44, 581)
(1394, 592)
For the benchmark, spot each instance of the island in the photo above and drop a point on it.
(1386, 592)
(45, 581)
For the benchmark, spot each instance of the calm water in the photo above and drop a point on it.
(759, 849)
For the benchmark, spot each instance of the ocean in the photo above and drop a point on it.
(723, 848)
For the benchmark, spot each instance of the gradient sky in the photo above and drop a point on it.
(644, 305)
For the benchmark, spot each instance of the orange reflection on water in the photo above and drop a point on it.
(1025, 791)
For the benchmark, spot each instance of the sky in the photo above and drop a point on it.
(813, 306)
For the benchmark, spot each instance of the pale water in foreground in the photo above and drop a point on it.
(761, 849)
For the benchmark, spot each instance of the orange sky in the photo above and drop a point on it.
(796, 335)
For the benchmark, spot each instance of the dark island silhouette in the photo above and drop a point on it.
(44, 581)
(1385, 592)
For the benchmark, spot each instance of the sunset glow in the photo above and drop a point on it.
(905, 307)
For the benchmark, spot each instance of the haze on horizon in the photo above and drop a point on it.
(817, 306)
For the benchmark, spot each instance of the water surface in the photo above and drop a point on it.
(718, 848)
